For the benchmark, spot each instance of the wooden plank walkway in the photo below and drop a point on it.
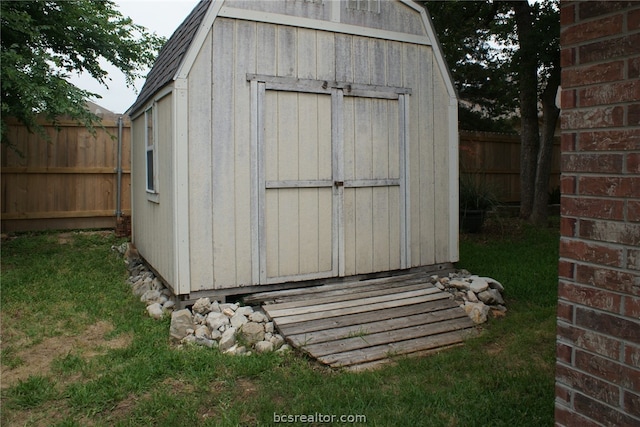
(358, 325)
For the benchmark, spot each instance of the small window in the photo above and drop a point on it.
(364, 5)
(150, 144)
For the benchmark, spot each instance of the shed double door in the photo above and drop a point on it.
(331, 185)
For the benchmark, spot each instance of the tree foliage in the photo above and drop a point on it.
(43, 42)
(505, 61)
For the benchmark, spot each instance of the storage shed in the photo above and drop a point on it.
(285, 141)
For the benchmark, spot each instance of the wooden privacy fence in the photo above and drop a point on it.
(67, 182)
(494, 160)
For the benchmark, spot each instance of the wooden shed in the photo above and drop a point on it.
(285, 141)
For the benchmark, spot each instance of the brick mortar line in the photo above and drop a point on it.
(596, 288)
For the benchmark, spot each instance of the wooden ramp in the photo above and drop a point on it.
(358, 325)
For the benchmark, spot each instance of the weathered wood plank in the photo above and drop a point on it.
(312, 307)
(344, 295)
(365, 317)
(394, 349)
(387, 337)
(358, 309)
(287, 295)
(364, 330)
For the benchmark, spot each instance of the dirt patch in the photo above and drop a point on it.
(38, 358)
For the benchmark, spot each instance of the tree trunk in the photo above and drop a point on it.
(528, 85)
(543, 171)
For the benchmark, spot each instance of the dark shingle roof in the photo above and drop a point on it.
(171, 54)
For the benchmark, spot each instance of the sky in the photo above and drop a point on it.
(159, 16)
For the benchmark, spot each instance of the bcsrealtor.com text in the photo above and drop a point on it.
(319, 418)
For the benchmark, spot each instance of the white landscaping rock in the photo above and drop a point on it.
(477, 311)
(215, 320)
(478, 285)
(228, 339)
(245, 310)
(150, 296)
(155, 311)
(203, 332)
(471, 296)
(181, 321)
(494, 284)
(252, 333)
(257, 317)
(277, 341)
(491, 296)
(459, 284)
(238, 320)
(264, 346)
(202, 306)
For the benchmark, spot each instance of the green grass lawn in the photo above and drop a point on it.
(78, 348)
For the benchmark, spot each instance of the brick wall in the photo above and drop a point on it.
(598, 345)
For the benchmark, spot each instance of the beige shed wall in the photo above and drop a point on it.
(153, 232)
(219, 135)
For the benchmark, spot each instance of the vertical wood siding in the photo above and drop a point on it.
(220, 144)
(152, 222)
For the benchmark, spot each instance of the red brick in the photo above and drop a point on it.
(566, 417)
(608, 231)
(599, 73)
(606, 323)
(563, 352)
(567, 14)
(589, 385)
(628, 139)
(612, 186)
(633, 165)
(604, 278)
(565, 311)
(592, 162)
(632, 355)
(608, 50)
(633, 259)
(591, 30)
(633, 71)
(567, 57)
(633, 211)
(592, 118)
(563, 393)
(606, 369)
(591, 252)
(593, 9)
(593, 297)
(631, 402)
(633, 115)
(631, 307)
(592, 208)
(611, 93)
(568, 98)
(568, 184)
(568, 142)
(601, 413)
(633, 20)
(590, 341)
(568, 227)
(565, 269)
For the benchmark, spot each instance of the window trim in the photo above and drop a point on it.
(152, 191)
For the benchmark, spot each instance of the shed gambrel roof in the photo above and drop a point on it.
(175, 52)
(171, 55)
